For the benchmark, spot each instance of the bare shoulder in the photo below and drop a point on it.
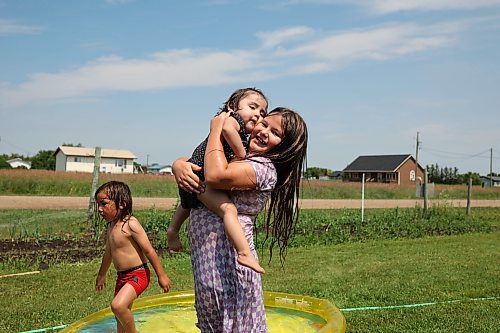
(133, 224)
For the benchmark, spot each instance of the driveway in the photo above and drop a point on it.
(43, 202)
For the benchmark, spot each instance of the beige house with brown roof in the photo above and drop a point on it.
(80, 159)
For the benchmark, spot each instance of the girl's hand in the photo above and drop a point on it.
(100, 282)
(186, 178)
(217, 121)
(165, 283)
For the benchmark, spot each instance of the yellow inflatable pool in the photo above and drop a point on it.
(174, 313)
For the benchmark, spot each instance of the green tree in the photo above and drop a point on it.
(476, 178)
(3, 162)
(72, 145)
(315, 172)
(44, 159)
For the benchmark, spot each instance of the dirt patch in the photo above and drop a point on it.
(50, 251)
(42, 202)
(44, 252)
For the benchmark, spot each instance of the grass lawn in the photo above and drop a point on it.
(374, 273)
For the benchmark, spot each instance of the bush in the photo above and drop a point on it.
(327, 227)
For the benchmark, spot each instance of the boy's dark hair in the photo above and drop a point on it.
(120, 194)
(234, 100)
(289, 158)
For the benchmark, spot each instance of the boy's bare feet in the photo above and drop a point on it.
(173, 241)
(248, 260)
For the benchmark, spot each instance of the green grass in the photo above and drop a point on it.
(374, 273)
(386, 260)
(41, 223)
(51, 183)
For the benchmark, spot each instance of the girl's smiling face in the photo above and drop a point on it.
(267, 134)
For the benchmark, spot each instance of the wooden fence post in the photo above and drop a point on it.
(95, 181)
(469, 191)
(426, 203)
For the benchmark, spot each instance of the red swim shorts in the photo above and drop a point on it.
(138, 277)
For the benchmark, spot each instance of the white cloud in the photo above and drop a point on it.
(187, 67)
(390, 6)
(162, 70)
(271, 39)
(118, 2)
(377, 43)
(9, 27)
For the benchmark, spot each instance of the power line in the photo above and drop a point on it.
(2, 140)
(461, 156)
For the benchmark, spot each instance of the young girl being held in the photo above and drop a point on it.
(249, 105)
(128, 247)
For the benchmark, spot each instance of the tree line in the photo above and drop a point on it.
(451, 176)
(435, 173)
(44, 159)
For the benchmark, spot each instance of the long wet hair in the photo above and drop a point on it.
(120, 194)
(233, 101)
(290, 160)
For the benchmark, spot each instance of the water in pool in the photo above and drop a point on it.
(181, 319)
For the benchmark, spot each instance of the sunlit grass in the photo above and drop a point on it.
(375, 273)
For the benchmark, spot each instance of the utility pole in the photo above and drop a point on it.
(491, 167)
(416, 161)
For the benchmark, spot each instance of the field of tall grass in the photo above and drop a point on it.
(52, 183)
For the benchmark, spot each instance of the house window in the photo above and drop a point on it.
(121, 163)
(78, 159)
(392, 176)
(412, 175)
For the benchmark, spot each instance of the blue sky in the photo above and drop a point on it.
(147, 76)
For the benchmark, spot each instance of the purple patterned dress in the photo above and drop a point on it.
(228, 296)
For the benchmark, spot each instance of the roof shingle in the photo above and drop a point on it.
(373, 163)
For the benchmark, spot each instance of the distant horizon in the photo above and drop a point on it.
(149, 163)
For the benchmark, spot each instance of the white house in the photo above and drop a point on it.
(19, 163)
(158, 169)
(486, 180)
(81, 159)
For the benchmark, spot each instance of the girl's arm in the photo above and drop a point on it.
(230, 131)
(218, 173)
(141, 238)
(100, 281)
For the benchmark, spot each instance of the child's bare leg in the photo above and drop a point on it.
(173, 240)
(122, 309)
(220, 203)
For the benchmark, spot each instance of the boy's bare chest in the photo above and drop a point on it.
(119, 236)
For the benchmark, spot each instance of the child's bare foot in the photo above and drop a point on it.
(173, 241)
(250, 261)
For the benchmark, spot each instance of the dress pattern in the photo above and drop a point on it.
(228, 296)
